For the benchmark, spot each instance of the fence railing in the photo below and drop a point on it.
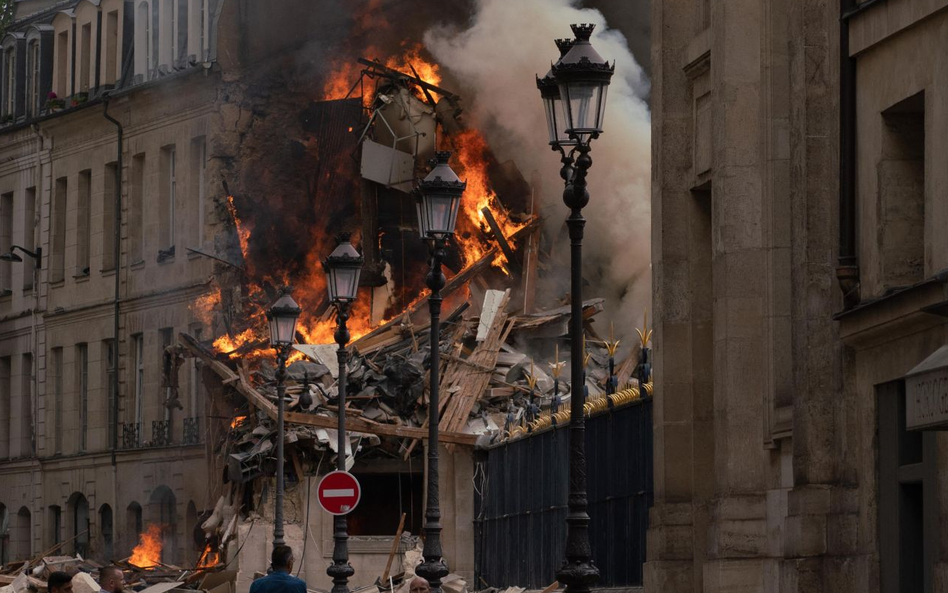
(521, 502)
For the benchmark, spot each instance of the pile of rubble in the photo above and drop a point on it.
(490, 390)
(32, 575)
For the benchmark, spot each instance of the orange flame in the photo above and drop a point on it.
(471, 162)
(345, 71)
(209, 558)
(471, 166)
(243, 231)
(203, 308)
(148, 551)
(237, 421)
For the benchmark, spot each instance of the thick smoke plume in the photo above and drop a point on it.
(495, 57)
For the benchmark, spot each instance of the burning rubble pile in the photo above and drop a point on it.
(502, 373)
(144, 570)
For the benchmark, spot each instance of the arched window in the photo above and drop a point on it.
(162, 510)
(54, 525)
(107, 530)
(22, 535)
(133, 525)
(78, 508)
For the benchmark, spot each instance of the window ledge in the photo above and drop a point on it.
(194, 254)
(108, 272)
(57, 283)
(137, 265)
(79, 278)
(166, 256)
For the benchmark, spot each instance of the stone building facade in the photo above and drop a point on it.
(798, 256)
(79, 464)
(122, 123)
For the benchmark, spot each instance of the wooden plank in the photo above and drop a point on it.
(391, 554)
(474, 384)
(492, 300)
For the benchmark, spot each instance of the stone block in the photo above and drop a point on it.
(805, 535)
(734, 576)
(737, 539)
(669, 576)
(670, 542)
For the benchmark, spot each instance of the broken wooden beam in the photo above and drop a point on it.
(501, 241)
(262, 403)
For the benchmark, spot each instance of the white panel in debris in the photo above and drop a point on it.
(382, 164)
(492, 300)
(324, 354)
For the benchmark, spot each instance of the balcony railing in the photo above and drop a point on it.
(160, 433)
(192, 431)
(131, 435)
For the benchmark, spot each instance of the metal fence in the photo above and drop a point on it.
(521, 495)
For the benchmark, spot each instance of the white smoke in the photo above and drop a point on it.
(497, 56)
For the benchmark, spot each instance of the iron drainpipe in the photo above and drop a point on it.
(847, 269)
(116, 258)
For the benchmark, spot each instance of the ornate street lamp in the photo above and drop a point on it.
(343, 267)
(438, 203)
(582, 76)
(282, 316)
(555, 115)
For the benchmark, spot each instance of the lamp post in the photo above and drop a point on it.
(343, 267)
(36, 255)
(574, 120)
(439, 200)
(282, 316)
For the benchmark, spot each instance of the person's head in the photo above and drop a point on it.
(282, 558)
(418, 585)
(59, 582)
(111, 579)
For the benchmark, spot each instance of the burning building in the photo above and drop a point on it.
(171, 165)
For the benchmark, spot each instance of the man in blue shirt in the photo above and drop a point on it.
(280, 580)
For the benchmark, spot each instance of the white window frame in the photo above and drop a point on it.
(202, 35)
(146, 36)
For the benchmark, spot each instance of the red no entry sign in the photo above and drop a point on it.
(338, 493)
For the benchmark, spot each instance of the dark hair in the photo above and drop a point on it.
(57, 579)
(281, 556)
(108, 571)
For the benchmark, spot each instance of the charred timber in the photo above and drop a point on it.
(390, 73)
